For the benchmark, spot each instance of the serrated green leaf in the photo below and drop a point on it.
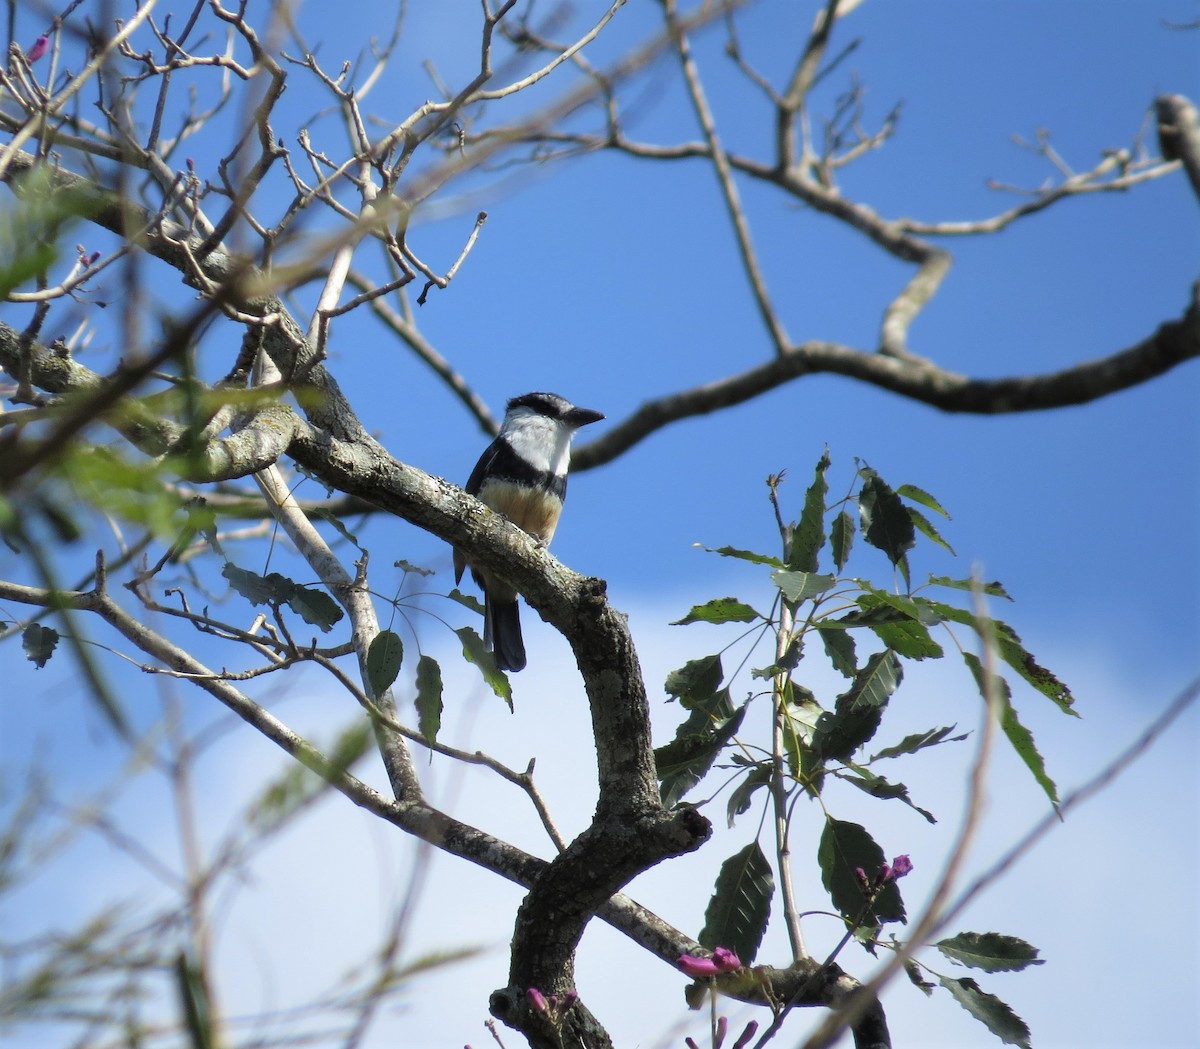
(842, 538)
(859, 710)
(926, 528)
(696, 679)
(845, 847)
(740, 907)
(989, 1010)
(801, 586)
(808, 536)
(990, 951)
(429, 697)
(993, 589)
(886, 524)
(919, 495)
(839, 646)
(315, 607)
(744, 555)
(1009, 647)
(719, 610)
(875, 682)
(919, 741)
(1014, 653)
(1018, 736)
(685, 761)
(879, 787)
(743, 793)
(39, 643)
(479, 657)
(383, 661)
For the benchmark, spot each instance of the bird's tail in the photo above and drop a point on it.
(502, 633)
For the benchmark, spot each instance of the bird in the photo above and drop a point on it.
(523, 475)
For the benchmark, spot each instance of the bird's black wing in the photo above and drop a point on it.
(484, 466)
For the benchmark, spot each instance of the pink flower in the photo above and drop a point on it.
(537, 1000)
(745, 1037)
(697, 968)
(725, 959)
(901, 866)
(40, 46)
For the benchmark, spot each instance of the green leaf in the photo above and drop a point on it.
(990, 951)
(429, 697)
(879, 787)
(745, 555)
(859, 710)
(800, 586)
(842, 537)
(408, 568)
(919, 741)
(905, 634)
(685, 761)
(839, 646)
(257, 589)
(990, 1010)
(335, 522)
(845, 846)
(886, 524)
(874, 684)
(919, 495)
(39, 643)
(916, 977)
(743, 793)
(1018, 657)
(1010, 649)
(801, 718)
(740, 906)
(808, 536)
(993, 589)
(1019, 737)
(475, 654)
(719, 610)
(383, 661)
(466, 600)
(315, 607)
(696, 679)
(925, 527)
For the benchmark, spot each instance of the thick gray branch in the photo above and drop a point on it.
(1170, 345)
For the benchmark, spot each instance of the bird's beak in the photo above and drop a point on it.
(582, 416)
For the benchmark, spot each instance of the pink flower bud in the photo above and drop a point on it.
(40, 46)
(726, 960)
(697, 968)
(901, 866)
(537, 1000)
(747, 1035)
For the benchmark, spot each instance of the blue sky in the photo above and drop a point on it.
(612, 281)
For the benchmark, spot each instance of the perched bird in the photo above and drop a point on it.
(522, 475)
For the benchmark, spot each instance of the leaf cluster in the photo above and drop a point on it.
(868, 633)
